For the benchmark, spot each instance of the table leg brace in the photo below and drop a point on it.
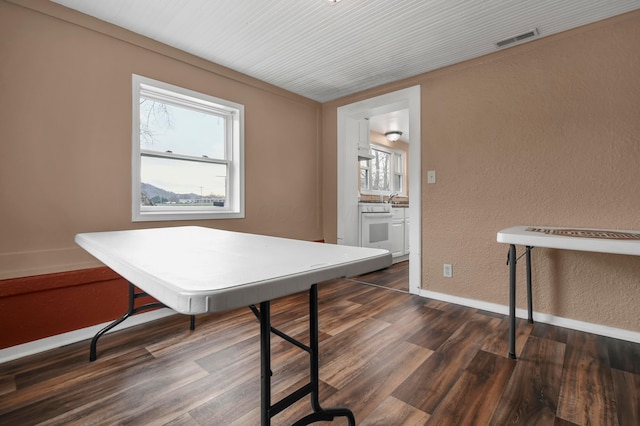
(131, 310)
(266, 408)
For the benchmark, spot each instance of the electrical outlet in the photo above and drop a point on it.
(447, 270)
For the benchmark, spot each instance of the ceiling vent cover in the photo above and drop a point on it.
(517, 38)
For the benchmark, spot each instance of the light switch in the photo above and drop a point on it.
(431, 176)
(447, 270)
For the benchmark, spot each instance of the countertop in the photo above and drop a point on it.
(394, 205)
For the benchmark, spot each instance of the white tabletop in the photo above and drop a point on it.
(196, 270)
(595, 240)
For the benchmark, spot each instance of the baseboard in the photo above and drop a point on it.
(41, 345)
(399, 259)
(602, 330)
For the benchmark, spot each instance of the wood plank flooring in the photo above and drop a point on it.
(393, 358)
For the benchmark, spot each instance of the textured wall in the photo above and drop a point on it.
(65, 132)
(546, 133)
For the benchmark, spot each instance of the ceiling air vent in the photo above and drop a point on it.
(517, 38)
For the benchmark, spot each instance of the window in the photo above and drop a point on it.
(187, 154)
(384, 173)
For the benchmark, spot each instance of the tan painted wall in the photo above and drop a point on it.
(546, 133)
(65, 137)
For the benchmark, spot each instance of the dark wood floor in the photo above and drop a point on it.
(393, 358)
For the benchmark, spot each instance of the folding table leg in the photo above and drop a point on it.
(529, 292)
(319, 412)
(267, 410)
(512, 301)
(265, 363)
(131, 310)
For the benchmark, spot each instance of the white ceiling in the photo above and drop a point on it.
(395, 120)
(325, 51)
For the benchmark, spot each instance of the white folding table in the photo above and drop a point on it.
(196, 270)
(593, 240)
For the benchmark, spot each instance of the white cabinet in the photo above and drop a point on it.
(397, 238)
(364, 143)
(400, 233)
(406, 235)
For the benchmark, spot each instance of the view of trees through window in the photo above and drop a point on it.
(380, 170)
(382, 173)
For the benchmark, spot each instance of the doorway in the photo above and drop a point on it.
(348, 118)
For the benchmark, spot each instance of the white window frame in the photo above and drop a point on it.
(392, 172)
(234, 158)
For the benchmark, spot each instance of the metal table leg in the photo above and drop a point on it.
(131, 310)
(267, 410)
(512, 301)
(529, 292)
(265, 363)
(319, 412)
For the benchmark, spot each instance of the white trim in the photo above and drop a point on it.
(602, 330)
(53, 342)
(234, 157)
(347, 179)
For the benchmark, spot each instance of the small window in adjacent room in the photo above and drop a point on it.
(187, 154)
(384, 173)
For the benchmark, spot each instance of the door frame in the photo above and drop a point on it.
(347, 211)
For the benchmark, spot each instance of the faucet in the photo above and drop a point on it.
(392, 196)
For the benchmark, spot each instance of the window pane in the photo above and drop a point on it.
(364, 174)
(364, 179)
(182, 183)
(397, 184)
(380, 169)
(165, 127)
(399, 164)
